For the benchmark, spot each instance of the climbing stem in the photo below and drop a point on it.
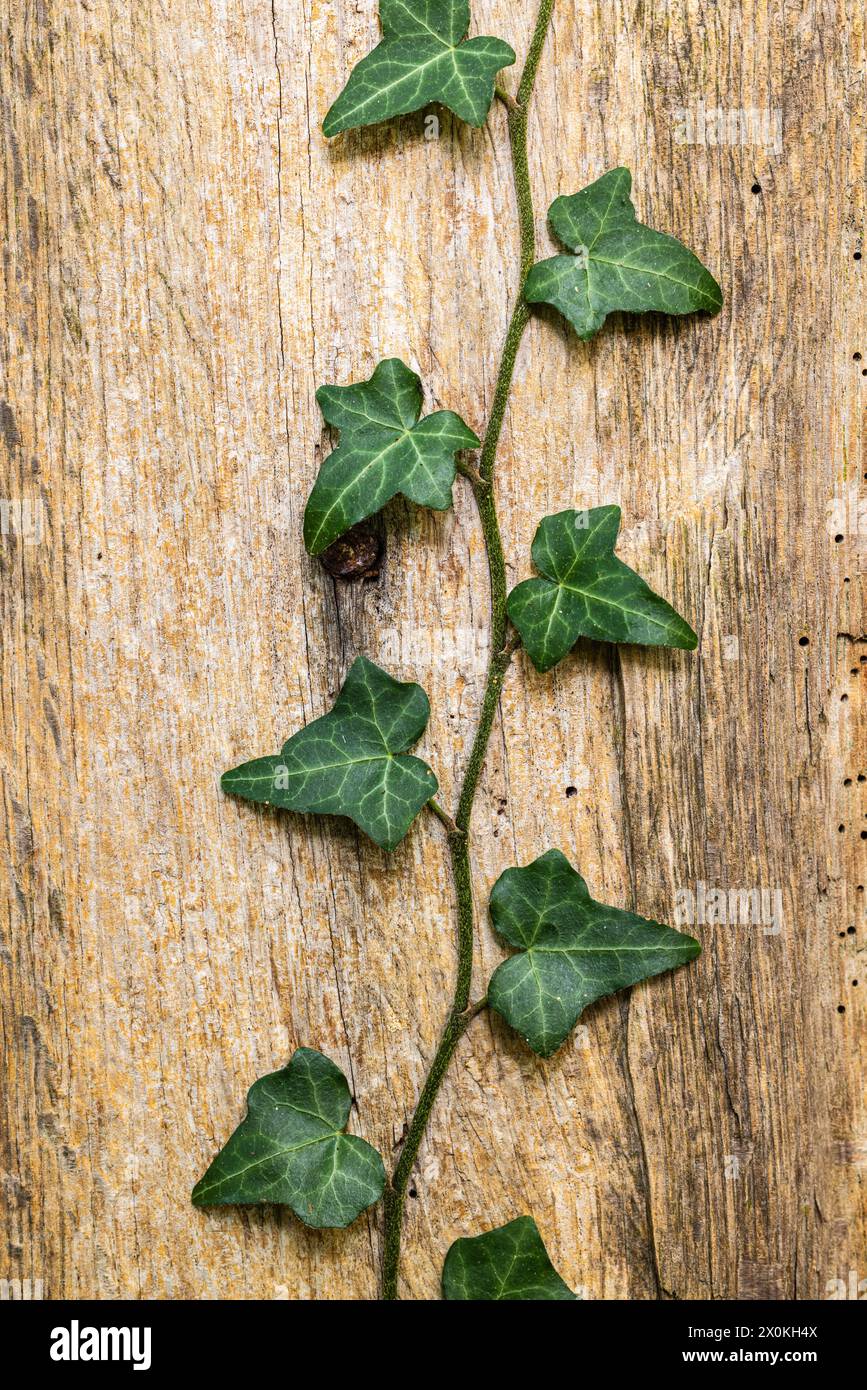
(501, 654)
(527, 231)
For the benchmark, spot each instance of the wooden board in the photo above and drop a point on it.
(185, 260)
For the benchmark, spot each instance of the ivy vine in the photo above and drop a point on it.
(569, 950)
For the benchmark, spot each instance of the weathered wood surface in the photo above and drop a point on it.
(185, 260)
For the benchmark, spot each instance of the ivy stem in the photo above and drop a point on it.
(462, 1012)
(444, 817)
(506, 97)
(468, 471)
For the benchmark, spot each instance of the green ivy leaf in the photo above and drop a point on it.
(292, 1148)
(617, 263)
(421, 59)
(573, 950)
(384, 449)
(588, 592)
(509, 1264)
(350, 762)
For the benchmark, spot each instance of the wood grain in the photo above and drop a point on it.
(185, 260)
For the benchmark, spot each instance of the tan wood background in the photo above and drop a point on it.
(185, 259)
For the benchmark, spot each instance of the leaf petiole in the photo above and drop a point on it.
(451, 826)
(472, 1010)
(472, 475)
(506, 98)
